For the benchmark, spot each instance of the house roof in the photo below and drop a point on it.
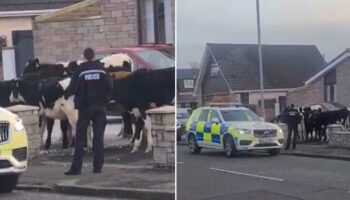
(186, 73)
(24, 5)
(79, 10)
(331, 65)
(284, 66)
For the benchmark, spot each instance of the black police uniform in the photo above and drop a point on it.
(292, 120)
(92, 86)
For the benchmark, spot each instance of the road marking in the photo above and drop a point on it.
(245, 174)
(180, 163)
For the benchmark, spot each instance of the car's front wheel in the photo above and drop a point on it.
(273, 152)
(192, 144)
(8, 182)
(230, 147)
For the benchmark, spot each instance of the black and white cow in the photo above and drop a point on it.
(48, 95)
(5, 93)
(141, 91)
(44, 70)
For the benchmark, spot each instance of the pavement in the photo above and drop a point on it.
(125, 175)
(319, 150)
(256, 175)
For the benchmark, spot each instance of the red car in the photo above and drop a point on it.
(145, 56)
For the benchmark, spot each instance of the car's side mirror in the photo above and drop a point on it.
(215, 120)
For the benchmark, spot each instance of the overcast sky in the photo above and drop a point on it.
(325, 23)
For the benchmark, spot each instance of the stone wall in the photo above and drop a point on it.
(306, 95)
(338, 137)
(163, 132)
(64, 41)
(120, 22)
(30, 118)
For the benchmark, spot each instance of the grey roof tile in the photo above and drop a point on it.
(22, 5)
(285, 66)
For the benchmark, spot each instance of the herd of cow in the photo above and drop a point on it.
(315, 121)
(45, 86)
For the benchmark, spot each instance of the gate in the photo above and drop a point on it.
(24, 49)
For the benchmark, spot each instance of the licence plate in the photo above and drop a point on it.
(265, 140)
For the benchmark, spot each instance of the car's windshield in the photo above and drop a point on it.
(239, 115)
(158, 59)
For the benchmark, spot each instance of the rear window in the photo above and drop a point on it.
(158, 59)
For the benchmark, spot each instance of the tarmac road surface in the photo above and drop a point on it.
(211, 175)
(25, 195)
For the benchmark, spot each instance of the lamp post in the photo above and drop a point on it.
(262, 102)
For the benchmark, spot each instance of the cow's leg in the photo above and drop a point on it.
(42, 129)
(127, 125)
(50, 123)
(64, 128)
(72, 115)
(148, 130)
(138, 134)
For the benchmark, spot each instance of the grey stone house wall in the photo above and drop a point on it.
(310, 94)
(343, 82)
(63, 41)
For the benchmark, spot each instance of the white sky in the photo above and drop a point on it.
(325, 23)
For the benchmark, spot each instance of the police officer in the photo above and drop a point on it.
(92, 87)
(292, 119)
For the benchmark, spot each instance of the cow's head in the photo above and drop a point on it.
(32, 66)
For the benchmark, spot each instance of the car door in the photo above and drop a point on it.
(202, 132)
(215, 127)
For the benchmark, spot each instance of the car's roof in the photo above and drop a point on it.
(134, 48)
(225, 108)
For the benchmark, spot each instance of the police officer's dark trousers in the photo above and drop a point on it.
(96, 114)
(292, 129)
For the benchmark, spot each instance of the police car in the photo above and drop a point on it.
(13, 150)
(233, 129)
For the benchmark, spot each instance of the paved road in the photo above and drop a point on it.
(211, 175)
(24, 195)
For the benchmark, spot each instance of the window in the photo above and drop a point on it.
(331, 93)
(155, 21)
(157, 59)
(204, 115)
(214, 114)
(214, 71)
(330, 83)
(245, 98)
(188, 84)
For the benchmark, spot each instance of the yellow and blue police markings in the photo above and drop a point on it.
(208, 132)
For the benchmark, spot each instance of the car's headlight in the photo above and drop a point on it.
(243, 131)
(19, 125)
(279, 130)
